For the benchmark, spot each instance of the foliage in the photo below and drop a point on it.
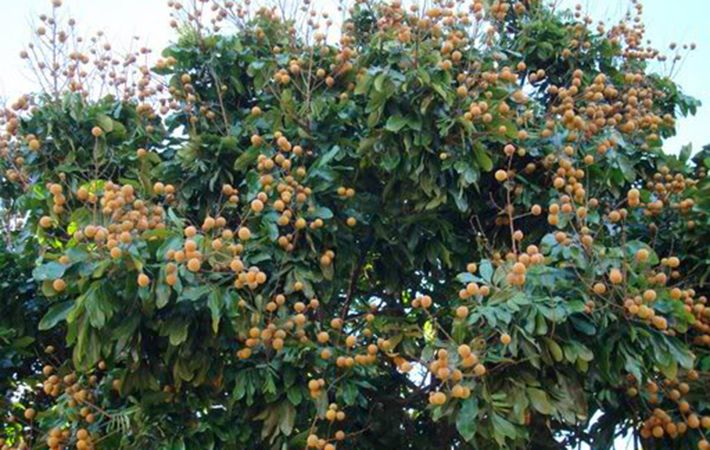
(456, 227)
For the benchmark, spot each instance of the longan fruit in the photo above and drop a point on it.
(642, 255)
(30, 413)
(505, 339)
(599, 288)
(143, 280)
(194, 264)
(59, 285)
(244, 233)
(45, 222)
(426, 302)
(437, 398)
(462, 312)
(257, 205)
(615, 276)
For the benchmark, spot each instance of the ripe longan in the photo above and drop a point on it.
(194, 265)
(59, 285)
(505, 339)
(615, 276)
(45, 222)
(257, 205)
(30, 413)
(244, 233)
(143, 280)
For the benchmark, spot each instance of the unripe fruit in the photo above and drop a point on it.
(501, 175)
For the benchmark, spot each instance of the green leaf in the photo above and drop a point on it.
(467, 419)
(554, 348)
(294, 395)
(540, 401)
(502, 429)
(395, 123)
(484, 161)
(193, 293)
(105, 122)
(50, 271)
(287, 418)
(214, 303)
(55, 314)
(486, 270)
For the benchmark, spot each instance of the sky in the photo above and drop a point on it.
(684, 21)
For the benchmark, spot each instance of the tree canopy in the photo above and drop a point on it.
(444, 226)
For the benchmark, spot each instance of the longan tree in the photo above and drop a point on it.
(443, 226)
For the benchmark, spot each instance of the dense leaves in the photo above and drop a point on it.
(455, 227)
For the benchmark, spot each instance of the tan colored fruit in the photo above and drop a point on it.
(244, 233)
(143, 280)
(194, 265)
(59, 285)
(462, 312)
(257, 205)
(437, 398)
(599, 288)
(45, 222)
(30, 414)
(615, 276)
(642, 255)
